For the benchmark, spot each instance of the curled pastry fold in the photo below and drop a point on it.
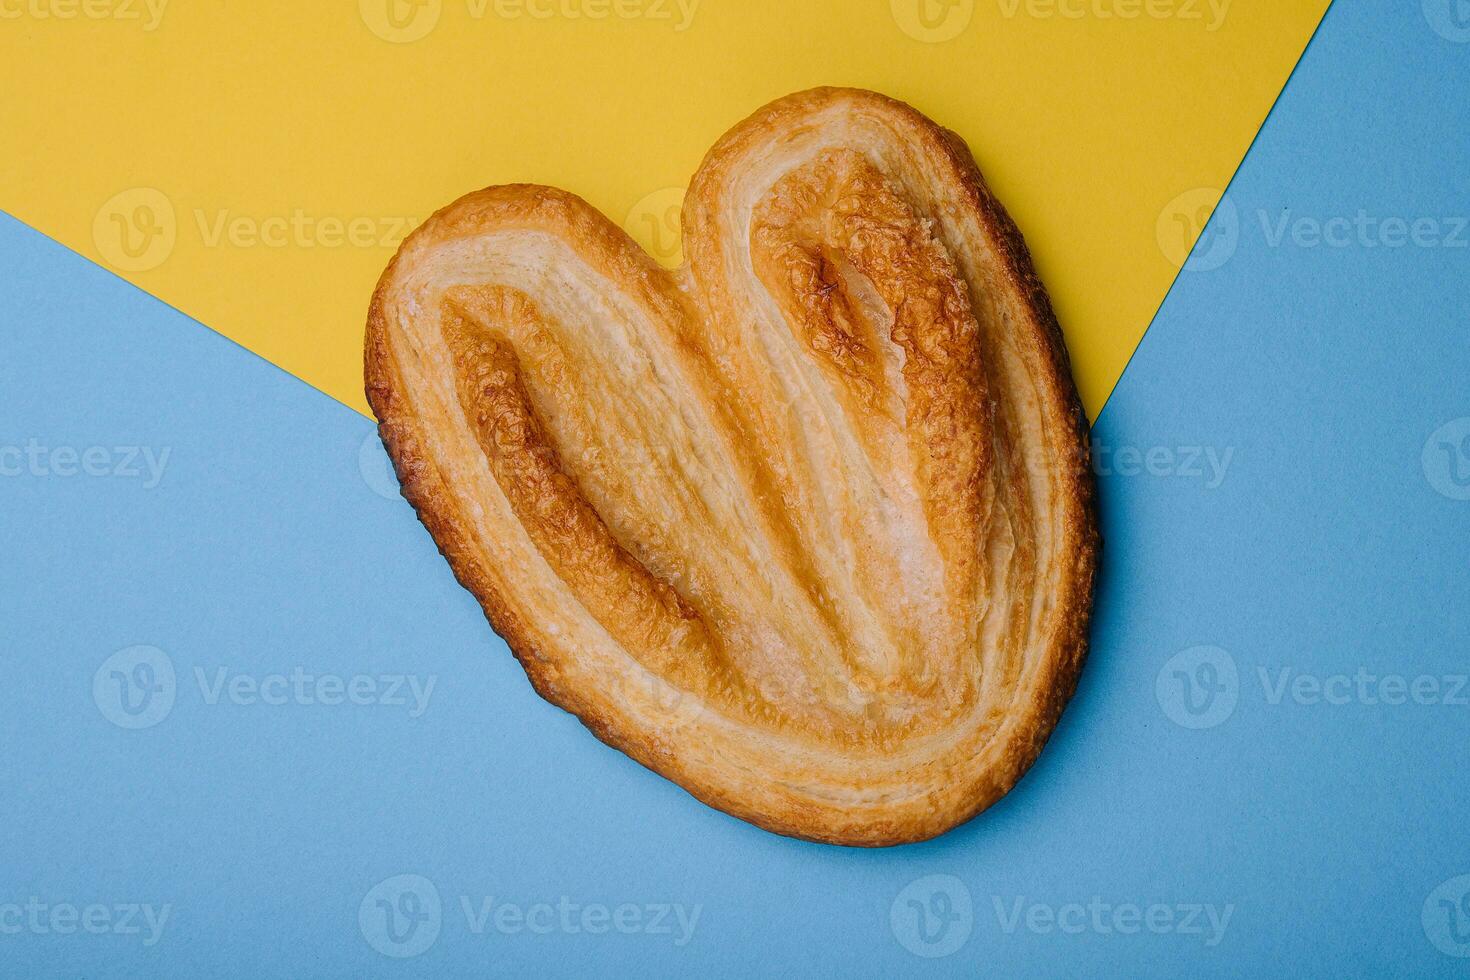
(805, 525)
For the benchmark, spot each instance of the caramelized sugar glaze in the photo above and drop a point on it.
(805, 525)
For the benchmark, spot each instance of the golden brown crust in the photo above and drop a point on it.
(806, 526)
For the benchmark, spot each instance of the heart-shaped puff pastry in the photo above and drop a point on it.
(806, 525)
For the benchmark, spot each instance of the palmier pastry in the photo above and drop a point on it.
(805, 525)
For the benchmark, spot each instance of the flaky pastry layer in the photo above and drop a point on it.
(806, 525)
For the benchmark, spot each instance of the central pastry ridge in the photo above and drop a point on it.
(805, 525)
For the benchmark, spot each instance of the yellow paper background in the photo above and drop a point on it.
(197, 153)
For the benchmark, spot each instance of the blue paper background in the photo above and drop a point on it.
(1335, 539)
